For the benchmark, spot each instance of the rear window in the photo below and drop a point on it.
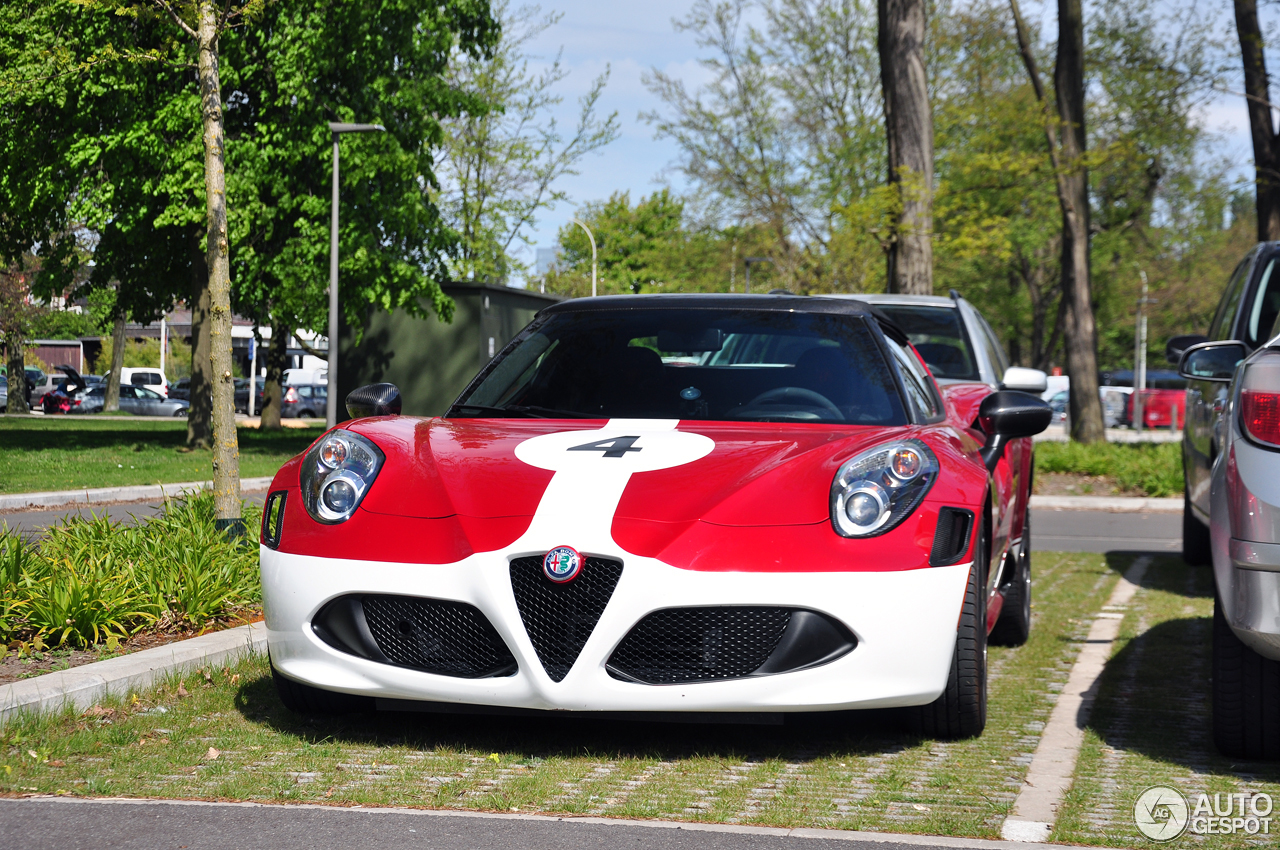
(709, 364)
(937, 334)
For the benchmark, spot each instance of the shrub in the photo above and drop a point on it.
(89, 579)
(1151, 469)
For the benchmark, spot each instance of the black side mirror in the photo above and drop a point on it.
(1174, 348)
(1212, 361)
(374, 400)
(1010, 415)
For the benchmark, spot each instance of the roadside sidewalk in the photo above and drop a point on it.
(1108, 504)
(105, 495)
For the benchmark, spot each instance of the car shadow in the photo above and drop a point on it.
(1155, 700)
(1167, 571)
(800, 737)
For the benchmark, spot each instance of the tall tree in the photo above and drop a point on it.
(908, 122)
(1266, 142)
(1067, 142)
(501, 167)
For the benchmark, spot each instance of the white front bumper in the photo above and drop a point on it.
(905, 623)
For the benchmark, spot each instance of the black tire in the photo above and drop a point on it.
(961, 710)
(1013, 628)
(304, 699)
(1196, 548)
(1246, 696)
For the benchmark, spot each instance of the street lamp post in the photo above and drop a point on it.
(331, 407)
(749, 261)
(593, 255)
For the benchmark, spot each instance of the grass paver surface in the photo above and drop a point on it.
(1152, 722)
(69, 453)
(224, 735)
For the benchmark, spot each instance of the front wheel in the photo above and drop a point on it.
(961, 710)
(1196, 547)
(1246, 696)
(1014, 624)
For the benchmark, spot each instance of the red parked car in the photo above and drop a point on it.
(1159, 408)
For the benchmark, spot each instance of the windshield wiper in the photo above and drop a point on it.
(494, 411)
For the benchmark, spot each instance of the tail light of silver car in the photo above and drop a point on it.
(291, 395)
(1260, 400)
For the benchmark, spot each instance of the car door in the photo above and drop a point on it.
(129, 400)
(1206, 400)
(149, 401)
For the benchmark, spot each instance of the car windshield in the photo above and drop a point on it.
(938, 336)
(709, 364)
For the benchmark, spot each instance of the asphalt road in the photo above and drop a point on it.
(1054, 531)
(67, 825)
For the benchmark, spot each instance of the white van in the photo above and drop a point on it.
(145, 376)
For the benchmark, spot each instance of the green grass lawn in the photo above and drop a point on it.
(223, 734)
(64, 453)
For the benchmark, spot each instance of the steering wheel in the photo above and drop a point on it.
(796, 396)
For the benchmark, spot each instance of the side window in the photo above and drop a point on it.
(304, 392)
(991, 346)
(138, 379)
(918, 386)
(126, 391)
(1265, 306)
(149, 395)
(1224, 319)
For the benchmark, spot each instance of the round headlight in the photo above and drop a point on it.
(866, 505)
(906, 463)
(339, 496)
(333, 451)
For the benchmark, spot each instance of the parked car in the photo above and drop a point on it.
(1231, 512)
(181, 390)
(242, 395)
(4, 393)
(66, 395)
(151, 378)
(138, 401)
(1160, 409)
(305, 401)
(599, 524)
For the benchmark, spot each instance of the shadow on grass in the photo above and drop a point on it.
(1155, 700)
(801, 737)
(1167, 572)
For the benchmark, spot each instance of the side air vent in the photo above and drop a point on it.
(951, 541)
(560, 617)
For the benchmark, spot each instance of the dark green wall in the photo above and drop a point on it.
(430, 361)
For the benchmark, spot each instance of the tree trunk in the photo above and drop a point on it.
(199, 416)
(226, 450)
(1081, 336)
(272, 396)
(17, 363)
(111, 399)
(909, 131)
(1081, 341)
(1266, 145)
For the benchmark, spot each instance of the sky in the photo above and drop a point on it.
(633, 38)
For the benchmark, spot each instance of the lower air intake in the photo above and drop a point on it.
(560, 617)
(681, 645)
(438, 636)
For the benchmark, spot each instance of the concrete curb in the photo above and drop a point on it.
(86, 685)
(899, 838)
(103, 495)
(1110, 504)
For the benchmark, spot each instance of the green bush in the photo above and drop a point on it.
(89, 579)
(1151, 469)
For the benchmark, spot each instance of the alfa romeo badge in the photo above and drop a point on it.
(562, 564)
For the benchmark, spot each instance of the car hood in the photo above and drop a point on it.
(734, 474)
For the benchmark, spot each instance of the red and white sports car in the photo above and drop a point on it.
(686, 503)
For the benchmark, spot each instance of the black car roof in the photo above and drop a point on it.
(729, 301)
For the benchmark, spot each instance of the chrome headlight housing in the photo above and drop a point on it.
(336, 473)
(879, 488)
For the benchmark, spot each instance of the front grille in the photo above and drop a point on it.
(560, 617)
(699, 644)
(437, 636)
